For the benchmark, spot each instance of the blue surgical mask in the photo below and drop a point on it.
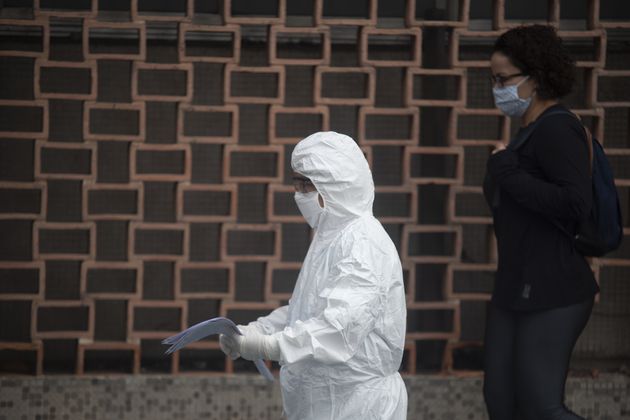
(507, 100)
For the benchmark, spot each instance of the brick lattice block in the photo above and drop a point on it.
(396, 204)
(443, 87)
(204, 280)
(288, 125)
(371, 38)
(327, 12)
(485, 127)
(441, 322)
(214, 37)
(376, 126)
(66, 80)
(471, 201)
(21, 280)
(266, 17)
(470, 37)
(93, 29)
(425, 243)
(68, 241)
(419, 165)
(162, 82)
(620, 97)
(65, 161)
(169, 12)
(41, 28)
(461, 20)
(47, 8)
(116, 351)
(158, 241)
(250, 242)
(241, 163)
(131, 121)
(106, 202)
(203, 203)
(112, 280)
(13, 112)
(22, 201)
(62, 319)
(251, 84)
(329, 79)
(208, 124)
(160, 162)
(597, 38)
(156, 319)
(309, 36)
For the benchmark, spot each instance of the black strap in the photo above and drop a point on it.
(523, 135)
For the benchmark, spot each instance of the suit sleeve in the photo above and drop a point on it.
(355, 299)
(272, 323)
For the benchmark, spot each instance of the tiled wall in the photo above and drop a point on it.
(250, 398)
(145, 178)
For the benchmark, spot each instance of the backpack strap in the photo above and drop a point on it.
(589, 143)
(524, 135)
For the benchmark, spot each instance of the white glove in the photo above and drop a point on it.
(229, 345)
(253, 346)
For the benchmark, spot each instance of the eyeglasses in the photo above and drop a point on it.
(303, 185)
(500, 80)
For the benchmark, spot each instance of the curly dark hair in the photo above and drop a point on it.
(537, 51)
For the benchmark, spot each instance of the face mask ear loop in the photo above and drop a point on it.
(520, 83)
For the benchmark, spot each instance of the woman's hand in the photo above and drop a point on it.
(498, 148)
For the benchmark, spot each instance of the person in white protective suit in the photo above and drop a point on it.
(340, 339)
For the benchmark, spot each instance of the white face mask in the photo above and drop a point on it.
(507, 100)
(308, 203)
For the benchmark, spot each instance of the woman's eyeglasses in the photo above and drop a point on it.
(303, 185)
(499, 80)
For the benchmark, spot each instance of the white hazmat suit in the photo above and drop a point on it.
(341, 337)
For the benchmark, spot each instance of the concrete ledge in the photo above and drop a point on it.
(250, 397)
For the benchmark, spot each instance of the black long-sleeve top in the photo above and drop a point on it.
(546, 179)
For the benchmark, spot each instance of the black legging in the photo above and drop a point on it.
(526, 361)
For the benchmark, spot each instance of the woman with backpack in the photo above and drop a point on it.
(540, 189)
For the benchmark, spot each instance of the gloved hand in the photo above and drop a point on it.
(229, 345)
(253, 345)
